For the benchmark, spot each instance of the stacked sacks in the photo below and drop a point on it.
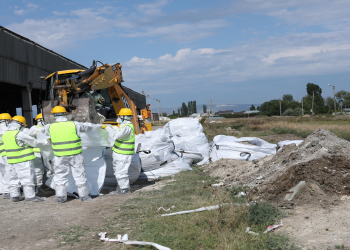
(188, 132)
(244, 148)
(172, 149)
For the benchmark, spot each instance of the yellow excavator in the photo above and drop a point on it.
(65, 88)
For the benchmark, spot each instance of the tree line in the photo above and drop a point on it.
(186, 110)
(313, 102)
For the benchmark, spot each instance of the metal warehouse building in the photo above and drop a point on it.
(23, 61)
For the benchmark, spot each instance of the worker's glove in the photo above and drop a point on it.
(104, 126)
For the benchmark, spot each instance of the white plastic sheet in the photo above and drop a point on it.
(288, 142)
(95, 172)
(171, 168)
(134, 169)
(231, 148)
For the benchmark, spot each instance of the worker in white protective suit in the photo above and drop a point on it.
(67, 147)
(5, 120)
(19, 152)
(123, 149)
(38, 161)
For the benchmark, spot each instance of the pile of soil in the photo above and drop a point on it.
(322, 161)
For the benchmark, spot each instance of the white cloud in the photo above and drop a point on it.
(30, 7)
(255, 61)
(152, 8)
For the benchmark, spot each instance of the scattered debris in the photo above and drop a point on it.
(344, 198)
(272, 227)
(292, 192)
(198, 209)
(166, 210)
(250, 232)
(322, 161)
(240, 194)
(126, 241)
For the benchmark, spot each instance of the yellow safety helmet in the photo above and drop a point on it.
(39, 116)
(5, 116)
(125, 111)
(58, 109)
(20, 119)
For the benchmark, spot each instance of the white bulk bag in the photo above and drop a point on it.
(229, 147)
(134, 169)
(171, 168)
(288, 142)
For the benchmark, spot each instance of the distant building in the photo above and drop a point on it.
(237, 113)
(224, 112)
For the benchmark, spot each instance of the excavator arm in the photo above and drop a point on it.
(83, 109)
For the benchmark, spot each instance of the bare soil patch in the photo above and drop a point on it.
(39, 225)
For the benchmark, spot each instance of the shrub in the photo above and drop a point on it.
(237, 126)
(303, 133)
(202, 120)
(283, 130)
(292, 112)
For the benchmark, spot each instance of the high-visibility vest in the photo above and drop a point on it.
(125, 147)
(2, 149)
(37, 150)
(64, 138)
(16, 154)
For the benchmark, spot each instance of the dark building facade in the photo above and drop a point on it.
(23, 61)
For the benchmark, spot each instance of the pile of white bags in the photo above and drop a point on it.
(232, 147)
(173, 148)
(189, 131)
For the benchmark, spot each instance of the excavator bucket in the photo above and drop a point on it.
(84, 111)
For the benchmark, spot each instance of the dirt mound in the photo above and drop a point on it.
(322, 161)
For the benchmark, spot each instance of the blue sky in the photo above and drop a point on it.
(232, 52)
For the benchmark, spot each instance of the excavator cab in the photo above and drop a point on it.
(68, 88)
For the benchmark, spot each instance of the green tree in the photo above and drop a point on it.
(178, 112)
(287, 97)
(314, 89)
(173, 112)
(329, 102)
(344, 97)
(204, 108)
(184, 110)
(252, 107)
(194, 106)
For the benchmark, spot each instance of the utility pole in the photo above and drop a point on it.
(149, 101)
(302, 106)
(335, 106)
(280, 108)
(161, 108)
(313, 97)
(212, 114)
(158, 111)
(209, 109)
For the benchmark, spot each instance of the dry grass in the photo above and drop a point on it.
(263, 126)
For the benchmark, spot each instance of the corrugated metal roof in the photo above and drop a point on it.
(39, 46)
(22, 60)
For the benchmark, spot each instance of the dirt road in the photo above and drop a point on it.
(38, 225)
